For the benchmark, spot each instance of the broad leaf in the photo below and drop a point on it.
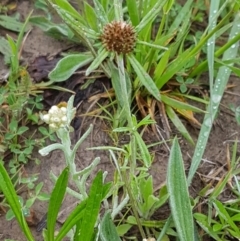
(68, 65)
(55, 202)
(108, 230)
(178, 195)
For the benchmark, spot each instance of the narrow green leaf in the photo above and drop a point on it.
(65, 5)
(90, 16)
(55, 202)
(133, 12)
(116, 82)
(235, 70)
(176, 104)
(77, 230)
(105, 4)
(92, 208)
(121, 129)
(144, 77)
(77, 214)
(10, 194)
(14, 55)
(218, 90)
(151, 15)
(161, 66)
(203, 223)
(211, 43)
(225, 215)
(165, 228)
(167, 6)
(5, 50)
(187, 7)
(101, 14)
(118, 10)
(58, 31)
(145, 155)
(68, 65)
(178, 194)
(178, 124)
(97, 61)
(221, 186)
(146, 187)
(108, 230)
(175, 66)
(78, 26)
(231, 41)
(11, 23)
(23, 29)
(71, 220)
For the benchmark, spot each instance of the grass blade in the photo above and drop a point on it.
(101, 14)
(149, 17)
(97, 61)
(181, 16)
(211, 43)
(178, 124)
(217, 93)
(90, 16)
(10, 194)
(133, 12)
(179, 105)
(145, 155)
(144, 77)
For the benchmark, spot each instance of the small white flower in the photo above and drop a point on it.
(45, 118)
(53, 126)
(64, 119)
(63, 110)
(55, 119)
(54, 109)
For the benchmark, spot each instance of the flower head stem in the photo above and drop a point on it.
(132, 161)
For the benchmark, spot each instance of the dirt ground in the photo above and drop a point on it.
(224, 132)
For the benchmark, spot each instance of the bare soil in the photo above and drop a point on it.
(224, 132)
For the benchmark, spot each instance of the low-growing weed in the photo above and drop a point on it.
(19, 121)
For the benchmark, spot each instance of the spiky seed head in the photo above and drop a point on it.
(119, 37)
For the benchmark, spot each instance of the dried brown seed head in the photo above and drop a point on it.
(119, 37)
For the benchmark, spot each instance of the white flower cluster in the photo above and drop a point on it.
(56, 117)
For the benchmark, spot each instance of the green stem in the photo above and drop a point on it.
(120, 207)
(160, 29)
(122, 78)
(133, 204)
(127, 110)
(69, 155)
